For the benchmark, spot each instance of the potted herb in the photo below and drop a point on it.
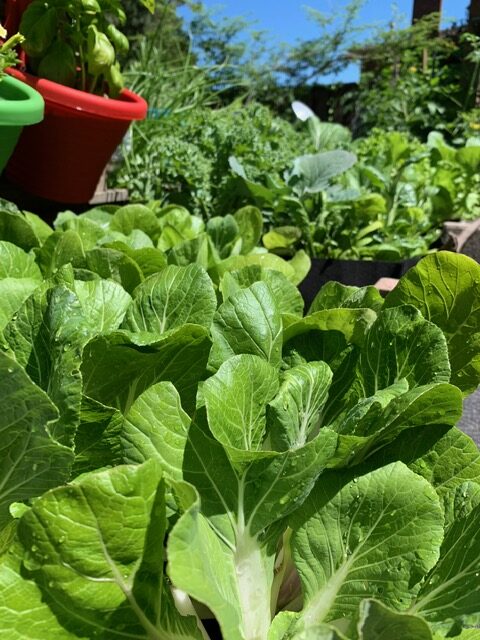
(72, 52)
(19, 104)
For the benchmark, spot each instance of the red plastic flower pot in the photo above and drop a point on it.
(63, 157)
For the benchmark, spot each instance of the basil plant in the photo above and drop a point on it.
(77, 44)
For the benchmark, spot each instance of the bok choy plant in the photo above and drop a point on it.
(194, 447)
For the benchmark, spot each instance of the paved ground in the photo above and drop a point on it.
(470, 422)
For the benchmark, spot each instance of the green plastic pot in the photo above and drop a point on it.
(20, 105)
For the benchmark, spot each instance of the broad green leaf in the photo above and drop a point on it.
(117, 368)
(61, 247)
(97, 439)
(90, 231)
(65, 277)
(373, 536)
(352, 323)
(450, 592)
(250, 223)
(286, 294)
(279, 238)
(224, 233)
(401, 344)
(177, 226)
(466, 634)
(16, 228)
(465, 498)
(236, 398)
(376, 421)
(198, 251)
(329, 135)
(332, 348)
(334, 295)
(469, 158)
(325, 135)
(378, 622)
(156, 427)
(266, 260)
(138, 239)
(113, 238)
(325, 346)
(247, 322)
(278, 484)
(23, 612)
(16, 263)
(150, 588)
(47, 336)
(312, 173)
(447, 459)
(115, 265)
(150, 260)
(445, 287)
(301, 265)
(88, 545)
(32, 461)
(172, 237)
(135, 216)
(40, 228)
(13, 293)
(172, 298)
(104, 304)
(398, 146)
(294, 415)
(261, 494)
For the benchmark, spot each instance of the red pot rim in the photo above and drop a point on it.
(129, 105)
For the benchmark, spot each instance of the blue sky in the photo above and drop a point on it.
(286, 20)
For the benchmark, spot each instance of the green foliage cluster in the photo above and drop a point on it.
(389, 206)
(184, 158)
(418, 80)
(190, 446)
(130, 243)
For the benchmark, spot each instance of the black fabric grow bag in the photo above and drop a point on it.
(359, 273)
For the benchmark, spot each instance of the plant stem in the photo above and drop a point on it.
(253, 577)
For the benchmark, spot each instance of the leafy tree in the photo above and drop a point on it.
(328, 52)
(247, 58)
(415, 79)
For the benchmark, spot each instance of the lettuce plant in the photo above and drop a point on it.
(193, 449)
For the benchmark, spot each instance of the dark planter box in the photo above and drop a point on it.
(359, 273)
